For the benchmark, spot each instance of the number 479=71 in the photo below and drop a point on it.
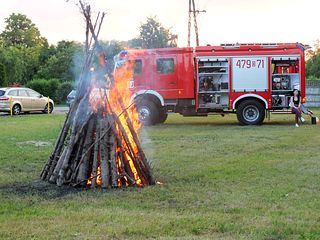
(248, 63)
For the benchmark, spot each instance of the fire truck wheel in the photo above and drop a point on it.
(250, 112)
(147, 112)
(162, 117)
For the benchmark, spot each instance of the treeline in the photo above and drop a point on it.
(26, 58)
(313, 62)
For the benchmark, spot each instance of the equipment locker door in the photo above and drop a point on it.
(249, 74)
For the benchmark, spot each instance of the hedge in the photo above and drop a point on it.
(53, 88)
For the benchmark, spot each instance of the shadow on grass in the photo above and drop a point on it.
(37, 188)
(23, 114)
(34, 113)
(229, 123)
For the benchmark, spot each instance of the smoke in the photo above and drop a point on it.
(147, 144)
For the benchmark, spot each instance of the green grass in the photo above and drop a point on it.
(220, 181)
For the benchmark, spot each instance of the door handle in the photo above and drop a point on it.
(172, 83)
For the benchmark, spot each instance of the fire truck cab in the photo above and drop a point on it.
(245, 79)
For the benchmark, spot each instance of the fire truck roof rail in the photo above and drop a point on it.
(237, 45)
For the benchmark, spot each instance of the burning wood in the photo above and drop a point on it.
(98, 144)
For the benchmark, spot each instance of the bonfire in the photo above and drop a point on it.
(98, 145)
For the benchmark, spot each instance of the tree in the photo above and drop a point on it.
(111, 48)
(313, 63)
(3, 76)
(154, 35)
(21, 46)
(20, 31)
(12, 58)
(62, 62)
(313, 67)
(20, 63)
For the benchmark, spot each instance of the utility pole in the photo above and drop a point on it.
(193, 12)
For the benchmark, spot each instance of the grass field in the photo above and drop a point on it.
(220, 181)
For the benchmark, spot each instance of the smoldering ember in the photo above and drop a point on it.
(98, 145)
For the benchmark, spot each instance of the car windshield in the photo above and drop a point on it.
(2, 92)
(72, 93)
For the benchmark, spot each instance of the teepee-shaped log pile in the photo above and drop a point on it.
(98, 143)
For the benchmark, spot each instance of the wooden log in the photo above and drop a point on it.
(127, 150)
(86, 12)
(95, 155)
(81, 171)
(114, 131)
(140, 152)
(131, 151)
(126, 140)
(62, 139)
(79, 149)
(54, 175)
(50, 166)
(104, 156)
(64, 159)
(75, 134)
(125, 168)
(112, 161)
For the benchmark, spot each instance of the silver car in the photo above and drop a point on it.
(23, 100)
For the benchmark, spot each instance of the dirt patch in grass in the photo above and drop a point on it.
(39, 188)
(35, 143)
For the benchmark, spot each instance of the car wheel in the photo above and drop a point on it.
(46, 108)
(250, 112)
(16, 109)
(147, 112)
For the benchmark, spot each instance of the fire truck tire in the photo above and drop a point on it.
(162, 116)
(250, 112)
(148, 112)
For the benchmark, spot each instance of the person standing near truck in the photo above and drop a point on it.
(295, 104)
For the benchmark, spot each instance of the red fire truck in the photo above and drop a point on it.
(246, 79)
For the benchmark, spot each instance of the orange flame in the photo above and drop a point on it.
(99, 99)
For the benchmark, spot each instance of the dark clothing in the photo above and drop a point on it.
(295, 104)
(296, 101)
(297, 112)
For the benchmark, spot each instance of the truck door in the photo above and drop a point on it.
(140, 73)
(166, 77)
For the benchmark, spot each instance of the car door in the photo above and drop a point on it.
(24, 99)
(13, 94)
(37, 101)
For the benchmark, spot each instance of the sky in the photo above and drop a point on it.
(225, 21)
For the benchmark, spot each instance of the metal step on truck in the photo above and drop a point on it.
(245, 79)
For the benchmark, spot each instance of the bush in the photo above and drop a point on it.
(63, 90)
(313, 67)
(3, 76)
(52, 88)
